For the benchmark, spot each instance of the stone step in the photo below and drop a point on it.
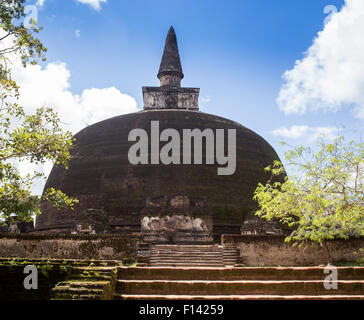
(186, 251)
(140, 264)
(104, 270)
(186, 264)
(80, 290)
(176, 255)
(238, 273)
(237, 297)
(76, 291)
(82, 284)
(186, 246)
(82, 277)
(190, 262)
(94, 273)
(187, 258)
(141, 260)
(215, 249)
(74, 296)
(184, 255)
(242, 287)
(179, 257)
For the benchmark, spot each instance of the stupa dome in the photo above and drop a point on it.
(101, 176)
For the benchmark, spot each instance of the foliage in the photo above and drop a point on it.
(97, 218)
(324, 198)
(24, 41)
(35, 138)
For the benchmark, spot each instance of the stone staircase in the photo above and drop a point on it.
(238, 283)
(87, 283)
(207, 256)
(89, 280)
(109, 279)
(59, 279)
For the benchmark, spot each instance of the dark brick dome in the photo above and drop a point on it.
(101, 177)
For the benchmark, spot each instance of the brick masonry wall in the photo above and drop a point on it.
(273, 251)
(68, 247)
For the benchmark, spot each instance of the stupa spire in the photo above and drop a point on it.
(170, 94)
(170, 70)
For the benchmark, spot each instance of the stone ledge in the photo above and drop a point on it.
(51, 236)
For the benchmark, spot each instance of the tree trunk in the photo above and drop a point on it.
(327, 251)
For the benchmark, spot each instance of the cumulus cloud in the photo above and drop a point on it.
(77, 33)
(331, 73)
(311, 133)
(50, 86)
(40, 3)
(95, 4)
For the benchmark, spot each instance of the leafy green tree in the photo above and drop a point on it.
(36, 138)
(24, 41)
(324, 197)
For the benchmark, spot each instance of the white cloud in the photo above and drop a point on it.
(40, 3)
(311, 133)
(77, 33)
(50, 86)
(95, 4)
(293, 133)
(331, 74)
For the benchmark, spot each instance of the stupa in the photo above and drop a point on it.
(167, 203)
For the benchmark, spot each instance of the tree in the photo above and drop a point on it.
(324, 197)
(24, 42)
(36, 138)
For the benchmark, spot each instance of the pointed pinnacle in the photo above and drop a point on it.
(171, 63)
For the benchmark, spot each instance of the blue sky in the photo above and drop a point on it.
(236, 51)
